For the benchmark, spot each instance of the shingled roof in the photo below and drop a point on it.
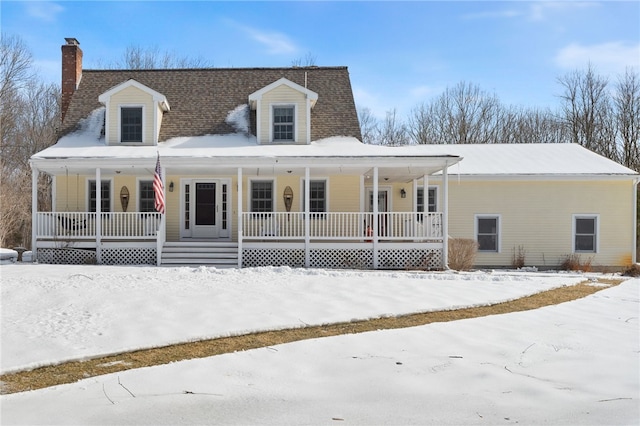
(201, 99)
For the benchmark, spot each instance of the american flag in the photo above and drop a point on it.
(158, 187)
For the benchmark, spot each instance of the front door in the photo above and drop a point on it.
(206, 209)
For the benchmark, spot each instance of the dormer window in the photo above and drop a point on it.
(131, 124)
(133, 114)
(283, 123)
(283, 112)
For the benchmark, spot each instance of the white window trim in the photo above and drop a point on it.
(274, 195)
(295, 122)
(326, 192)
(475, 230)
(111, 194)
(144, 112)
(573, 231)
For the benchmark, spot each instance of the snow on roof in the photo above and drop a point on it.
(481, 159)
(532, 159)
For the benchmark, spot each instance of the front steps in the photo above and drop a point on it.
(200, 253)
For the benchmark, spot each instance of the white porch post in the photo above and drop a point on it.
(375, 217)
(240, 230)
(445, 216)
(98, 216)
(425, 196)
(307, 217)
(34, 212)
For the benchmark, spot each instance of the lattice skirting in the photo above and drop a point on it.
(345, 258)
(66, 256)
(129, 256)
(428, 259)
(272, 257)
(110, 256)
(341, 258)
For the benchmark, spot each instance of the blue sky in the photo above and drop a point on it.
(399, 53)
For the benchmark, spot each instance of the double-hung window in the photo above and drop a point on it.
(262, 196)
(432, 201)
(488, 233)
(283, 123)
(147, 196)
(317, 197)
(105, 196)
(131, 124)
(585, 233)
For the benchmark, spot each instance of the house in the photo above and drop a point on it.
(264, 166)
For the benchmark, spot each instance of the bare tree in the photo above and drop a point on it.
(369, 126)
(392, 131)
(29, 111)
(463, 114)
(586, 111)
(626, 102)
(309, 60)
(137, 57)
(421, 126)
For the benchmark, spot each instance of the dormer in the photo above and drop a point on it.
(133, 114)
(283, 113)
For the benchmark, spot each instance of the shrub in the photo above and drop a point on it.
(572, 262)
(517, 261)
(462, 253)
(633, 271)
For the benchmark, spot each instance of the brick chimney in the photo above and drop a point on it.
(71, 71)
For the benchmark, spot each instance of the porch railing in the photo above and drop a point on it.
(356, 226)
(342, 226)
(82, 225)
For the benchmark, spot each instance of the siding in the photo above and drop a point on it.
(538, 216)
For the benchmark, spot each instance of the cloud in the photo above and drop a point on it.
(497, 14)
(609, 58)
(44, 11)
(276, 43)
(539, 11)
(422, 92)
(535, 11)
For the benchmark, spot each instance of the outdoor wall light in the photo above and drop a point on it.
(403, 193)
(171, 187)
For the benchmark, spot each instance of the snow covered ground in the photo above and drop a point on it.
(574, 363)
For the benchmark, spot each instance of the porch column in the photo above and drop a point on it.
(445, 216)
(34, 212)
(239, 208)
(307, 217)
(98, 217)
(425, 196)
(375, 217)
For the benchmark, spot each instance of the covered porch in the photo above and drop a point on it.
(366, 235)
